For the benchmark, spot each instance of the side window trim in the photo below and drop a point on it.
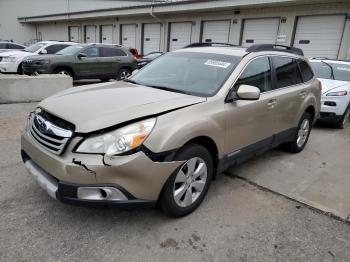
(273, 76)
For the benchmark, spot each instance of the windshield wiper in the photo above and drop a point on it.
(130, 81)
(332, 70)
(170, 89)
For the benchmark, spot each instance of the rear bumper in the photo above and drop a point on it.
(70, 193)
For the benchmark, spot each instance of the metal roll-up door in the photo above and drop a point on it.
(128, 35)
(90, 34)
(180, 35)
(260, 31)
(151, 38)
(216, 31)
(107, 34)
(319, 36)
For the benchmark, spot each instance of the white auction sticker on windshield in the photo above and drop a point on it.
(217, 63)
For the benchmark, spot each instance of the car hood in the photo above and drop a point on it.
(18, 53)
(100, 106)
(329, 84)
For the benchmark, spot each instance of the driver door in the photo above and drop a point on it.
(91, 65)
(250, 124)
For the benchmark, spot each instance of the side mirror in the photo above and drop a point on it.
(244, 92)
(43, 52)
(82, 55)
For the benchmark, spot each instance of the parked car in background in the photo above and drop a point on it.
(11, 62)
(335, 78)
(141, 62)
(85, 61)
(9, 46)
(167, 131)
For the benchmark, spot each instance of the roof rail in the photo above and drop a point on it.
(320, 58)
(272, 47)
(204, 44)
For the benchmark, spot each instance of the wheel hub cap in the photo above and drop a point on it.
(303, 132)
(190, 182)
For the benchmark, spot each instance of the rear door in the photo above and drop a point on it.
(251, 124)
(112, 58)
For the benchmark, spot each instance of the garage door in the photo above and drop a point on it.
(90, 34)
(107, 34)
(128, 35)
(74, 34)
(151, 38)
(216, 31)
(180, 35)
(319, 36)
(260, 31)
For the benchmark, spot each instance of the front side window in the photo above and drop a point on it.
(193, 73)
(330, 70)
(257, 73)
(92, 52)
(70, 50)
(287, 71)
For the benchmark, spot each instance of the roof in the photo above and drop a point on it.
(222, 50)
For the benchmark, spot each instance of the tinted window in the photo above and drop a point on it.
(53, 49)
(287, 71)
(14, 46)
(3, 46)
(92, 52)
(257, 73)
(71, 50)
(306, 72)
(111, 52)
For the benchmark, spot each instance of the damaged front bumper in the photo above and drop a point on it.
(96, 180)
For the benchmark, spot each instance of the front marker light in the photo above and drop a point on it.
(340, 93)
(118, 141)
(9, 59)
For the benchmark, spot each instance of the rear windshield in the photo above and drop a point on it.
(189, 72)
(331, 70)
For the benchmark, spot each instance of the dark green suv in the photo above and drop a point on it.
(84, 61)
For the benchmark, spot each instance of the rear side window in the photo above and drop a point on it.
(306, 71)
(3, 46)
(111, 52)
(14, 46)
(287, 71)
(257, 73)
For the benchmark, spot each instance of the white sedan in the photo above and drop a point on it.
(335, 78)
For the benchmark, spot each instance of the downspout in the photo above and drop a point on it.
(154, 16)
(159, 21)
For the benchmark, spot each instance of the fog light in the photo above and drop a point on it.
(330, 103)
(100, 193)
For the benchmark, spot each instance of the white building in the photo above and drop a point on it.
(320, 27)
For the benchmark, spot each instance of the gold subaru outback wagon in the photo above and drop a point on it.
(165, 133)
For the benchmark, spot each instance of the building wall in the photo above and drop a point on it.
(10, 10)
(286, 28)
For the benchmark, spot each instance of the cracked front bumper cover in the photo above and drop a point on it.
(137, 174)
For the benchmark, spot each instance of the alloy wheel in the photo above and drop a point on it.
(190, 182)
(303, 132)
(124, 75)
(346, 118)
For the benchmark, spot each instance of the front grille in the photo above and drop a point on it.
(49, 135)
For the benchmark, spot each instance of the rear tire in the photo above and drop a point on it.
(345, 120)
(123, 74)
(301, 136)
(186, 188)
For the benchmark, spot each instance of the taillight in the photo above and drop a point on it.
(320, 85)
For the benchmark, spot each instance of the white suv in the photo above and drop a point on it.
(11, 62)
(335, 78)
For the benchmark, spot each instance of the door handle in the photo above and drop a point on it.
(272, 103)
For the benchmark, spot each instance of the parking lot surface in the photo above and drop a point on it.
(236, 222)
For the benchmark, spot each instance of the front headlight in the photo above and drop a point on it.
(9, 59)
(118, 141)
(339, 93)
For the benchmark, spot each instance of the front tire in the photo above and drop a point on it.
(19, 69)
(187, 186)
(345, 120)
(63, 71)
(302, 135)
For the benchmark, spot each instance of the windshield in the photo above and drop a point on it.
(330, 70)
(193, 73)
(34, 48)
(70, 50)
